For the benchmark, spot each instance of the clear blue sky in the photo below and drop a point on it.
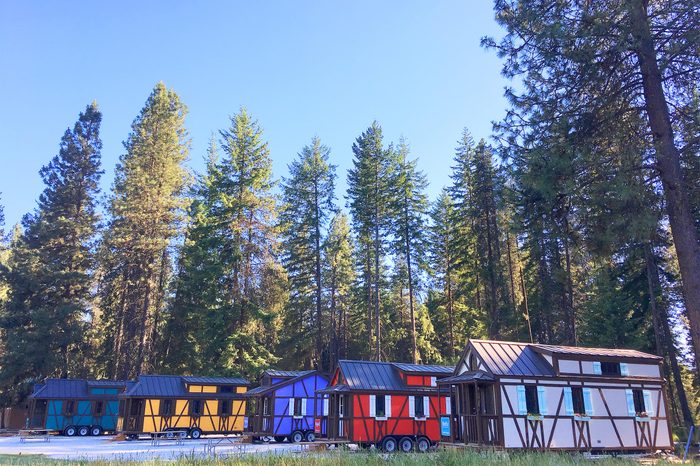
(302, 68)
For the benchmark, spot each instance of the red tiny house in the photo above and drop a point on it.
(394, 406)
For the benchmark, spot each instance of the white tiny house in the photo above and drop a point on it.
(546, 397)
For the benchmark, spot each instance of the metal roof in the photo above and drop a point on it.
(174, 385)
(511, 358)
(605, 352)
(215, 380)
(73, 388)
(424, 368)
(279, 373)
(372, 375)
(468, 377)
(287, 380)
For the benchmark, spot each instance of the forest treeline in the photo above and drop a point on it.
(575, 223)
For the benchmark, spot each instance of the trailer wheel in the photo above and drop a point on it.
(406, 444)
(195, 433)
(297, 436)
(389, 445)
(280, 438)
(95, 430)
(310, 436)
(83, 431)
(70, 431)
(423, 444)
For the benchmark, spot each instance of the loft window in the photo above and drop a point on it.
(473, 365)
(610, 368)
(98, 408)
(577, 400)
(531, 400)
(226, 389)
(224, 407)
(196, 408)
(379, 406)
(418, 406)
(166, 408)
(70, 407)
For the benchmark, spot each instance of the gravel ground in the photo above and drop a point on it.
(104, 447)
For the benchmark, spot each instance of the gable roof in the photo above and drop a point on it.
(74, 388)
(383, 376)
(287, 381)
(174, 385)
(602, 352)
(511, 358)
(285, 374)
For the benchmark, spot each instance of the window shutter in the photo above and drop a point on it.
(568, 401)
(596, 368)
(325, 406)
(541, 400)
(522, 404)
(412, 406)
(433, 382)
(624, 369)
(630, 402)
(448, 405)
(303, 406)
(291, 406)
(387, 402)
(648, 405)
(588, 401)
(426, 406)
(372, 406)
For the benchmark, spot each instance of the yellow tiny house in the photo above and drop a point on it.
(197, 405)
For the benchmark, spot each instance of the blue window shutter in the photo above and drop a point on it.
(630, 402)
(568, 401)
(648, 405)
(588, 401)
(596, 368)
(624, 369)
(541, 400)
(522, 404)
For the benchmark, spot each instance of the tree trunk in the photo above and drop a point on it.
(317, 245)
(410, 286)
(668, 163)
(450, 312)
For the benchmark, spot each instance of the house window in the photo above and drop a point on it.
(577, 400)
(266, 406)
(639, 405)
(70, 407)
(224, 407)
(341, 405)
(166, 408)
(226, 389)
(196, 408)
(379, 406)
(531, 401)
(297, 407)
(419, 406)
(473, 365)
(98, 408)
(135, 407)
(610, 368)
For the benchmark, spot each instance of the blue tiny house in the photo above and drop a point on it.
(284, 406)
(75, 406)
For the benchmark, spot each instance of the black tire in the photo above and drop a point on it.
(195, 433)
(406, 445)
(310, 436)
(96, 430)
(296, 437)
(389, 445)
(70, 431)
(423, 444)
(84, 431)
(280, 438)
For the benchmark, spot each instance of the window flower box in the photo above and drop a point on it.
(534, 417)
(642, 417)
(581, 417)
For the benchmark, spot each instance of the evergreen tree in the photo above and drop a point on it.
(51, 266)
(369, 200)
(308, 203)
(145, 215)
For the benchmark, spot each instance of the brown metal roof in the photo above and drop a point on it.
(511, 358)
(583, 351)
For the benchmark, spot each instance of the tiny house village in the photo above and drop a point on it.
(503, 395)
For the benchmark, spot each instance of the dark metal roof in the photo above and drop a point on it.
(73, 388)
(215, 380)
(278, 374)
(174, 385)
(468, 377)
(287, 380)
(424, 368)
(511, 358)
(605, 352)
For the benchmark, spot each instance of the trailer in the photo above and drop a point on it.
(284, 406)
(198, 405)
(392, 406)
(76, 406)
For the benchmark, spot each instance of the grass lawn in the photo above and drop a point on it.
(363, 458)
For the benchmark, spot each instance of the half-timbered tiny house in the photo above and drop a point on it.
(533, 396)
(76, 406)
(284, 405)
(197, 405)
(394, 406)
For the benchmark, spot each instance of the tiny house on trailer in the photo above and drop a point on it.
(284, 405)
(197, 405)
(394, 406)
(546, 397)
(76, 406)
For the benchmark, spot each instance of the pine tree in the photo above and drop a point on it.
(369, 200)
(51, 266)
(308, 203)
(145, 214)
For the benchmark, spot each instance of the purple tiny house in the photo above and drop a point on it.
(283, 407)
